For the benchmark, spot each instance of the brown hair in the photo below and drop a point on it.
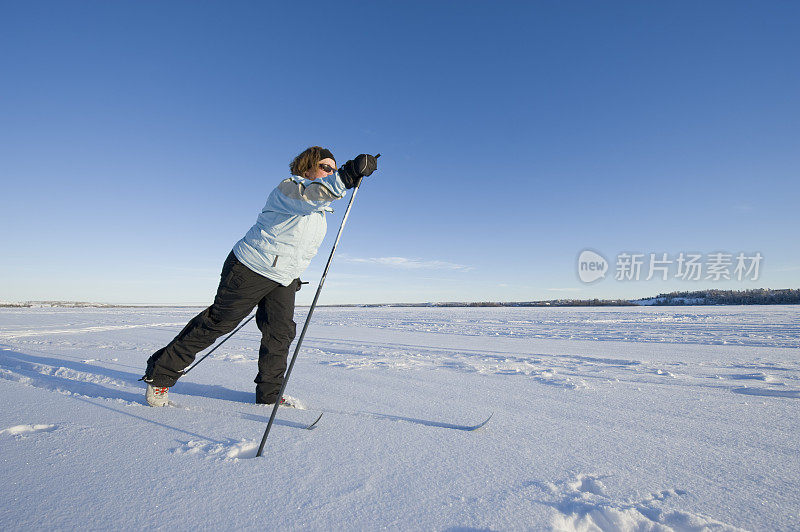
(309, 159)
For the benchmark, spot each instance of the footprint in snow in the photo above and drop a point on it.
(777, 389)
(228, 450)
(587, 484)
(23, 431)
(584, 503)
(763, 377)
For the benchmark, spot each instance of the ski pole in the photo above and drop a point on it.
(308, 318)
(187, 370)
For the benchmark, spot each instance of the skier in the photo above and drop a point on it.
(263, 270)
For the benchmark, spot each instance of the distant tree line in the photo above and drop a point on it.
(70, 304)
(757, 296)
(549, 303)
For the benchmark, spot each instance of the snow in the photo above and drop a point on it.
(635, 418)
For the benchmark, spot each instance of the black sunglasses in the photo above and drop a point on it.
(326, 167)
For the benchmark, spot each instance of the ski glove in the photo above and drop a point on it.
(362, 166)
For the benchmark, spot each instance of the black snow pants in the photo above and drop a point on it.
(240, 289)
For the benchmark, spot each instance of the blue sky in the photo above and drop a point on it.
(139, 141)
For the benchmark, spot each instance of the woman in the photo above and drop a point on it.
(263, 270)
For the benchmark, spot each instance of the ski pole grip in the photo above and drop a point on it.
(358, 184)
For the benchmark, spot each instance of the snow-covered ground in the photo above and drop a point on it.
(643, 418)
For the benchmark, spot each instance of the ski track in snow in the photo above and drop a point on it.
(118, 387)
(81, 363)
(568, 371)
(716, 326)
(45, 373)
(25, 333)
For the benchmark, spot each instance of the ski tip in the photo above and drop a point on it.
(310, 427)
(481, 424)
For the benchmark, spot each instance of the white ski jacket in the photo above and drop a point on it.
(290, 228)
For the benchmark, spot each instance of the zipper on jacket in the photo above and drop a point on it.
(275, 262)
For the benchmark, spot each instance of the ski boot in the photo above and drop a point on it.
(156, 395)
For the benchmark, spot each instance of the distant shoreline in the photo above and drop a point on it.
(762, 296)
